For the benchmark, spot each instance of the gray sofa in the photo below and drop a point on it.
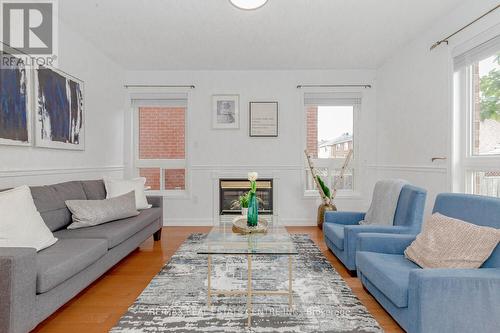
(34, 285)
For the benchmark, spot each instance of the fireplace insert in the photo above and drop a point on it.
(231, 189)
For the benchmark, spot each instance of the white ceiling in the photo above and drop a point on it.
(284, 34)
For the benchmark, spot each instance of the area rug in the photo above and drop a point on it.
(176, 299)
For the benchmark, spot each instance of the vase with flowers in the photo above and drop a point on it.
(253, 203)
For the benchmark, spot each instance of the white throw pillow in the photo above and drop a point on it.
(20, 222)
(115, 188)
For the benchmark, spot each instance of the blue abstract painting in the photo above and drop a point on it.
(60, 120)
(14, 109)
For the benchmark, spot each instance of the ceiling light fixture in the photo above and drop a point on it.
(248, 4)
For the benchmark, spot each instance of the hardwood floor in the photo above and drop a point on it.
(99, 307)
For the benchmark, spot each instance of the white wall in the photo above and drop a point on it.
(414, 102)
(218, 153)
(104, 104)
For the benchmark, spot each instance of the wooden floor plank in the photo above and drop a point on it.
(99, 307)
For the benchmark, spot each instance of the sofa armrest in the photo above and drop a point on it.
(455, 300)
(155, 200)
(348, 218)
(384, 243)
(17, 289)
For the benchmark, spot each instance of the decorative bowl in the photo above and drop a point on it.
(240, 226)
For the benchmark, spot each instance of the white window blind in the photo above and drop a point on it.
(172, 100)
(328, 99)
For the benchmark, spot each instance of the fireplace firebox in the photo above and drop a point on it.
(231, 189)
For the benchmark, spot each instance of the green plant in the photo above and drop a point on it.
(325, 188)
(244, 199)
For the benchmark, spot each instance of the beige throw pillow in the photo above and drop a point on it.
(446, 242)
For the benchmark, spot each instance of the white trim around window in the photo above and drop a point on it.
(333, 98)
(465, 162)
(167, 98)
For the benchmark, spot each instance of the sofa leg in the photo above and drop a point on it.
(353, 273)
(157, 235)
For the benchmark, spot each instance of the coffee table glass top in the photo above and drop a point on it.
(222, 240)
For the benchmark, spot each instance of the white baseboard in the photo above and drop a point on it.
(208, 222)
(188, 222)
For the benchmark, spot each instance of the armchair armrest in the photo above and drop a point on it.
(17, 289)
(351, 233)
(348, 218)
(384, 243)
(469, 299)
(155, 200)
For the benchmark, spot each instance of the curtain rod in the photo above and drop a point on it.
(445, 40)
(333, 85)
(158, 86)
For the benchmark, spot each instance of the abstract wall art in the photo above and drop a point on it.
(15, 101)
(60, 121)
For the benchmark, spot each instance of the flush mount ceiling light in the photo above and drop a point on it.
(248, 4)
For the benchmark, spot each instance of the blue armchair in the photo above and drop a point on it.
(341, 229)
(435, 300)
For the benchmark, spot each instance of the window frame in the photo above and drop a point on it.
(465, 162)
(334, 163)
(161, 99)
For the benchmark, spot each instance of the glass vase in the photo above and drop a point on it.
(253, 211)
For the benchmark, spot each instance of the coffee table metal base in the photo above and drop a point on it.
(249, 292)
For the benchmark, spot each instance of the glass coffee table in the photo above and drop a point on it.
(223, 241)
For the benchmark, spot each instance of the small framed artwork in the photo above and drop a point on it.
(263, 119)
(60, 117)
(15, 101)
(226, 111)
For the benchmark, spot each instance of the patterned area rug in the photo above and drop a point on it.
(176, 299)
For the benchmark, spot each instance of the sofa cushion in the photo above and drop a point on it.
(115, 232)
(89, 213)
(94, 189)
(335, 233)
(65, 259)
(390, 273)
(49, 200)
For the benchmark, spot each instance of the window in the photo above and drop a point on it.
(160, 142)
(477, 112)
(330, 134)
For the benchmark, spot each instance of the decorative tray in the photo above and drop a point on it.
(240, 226)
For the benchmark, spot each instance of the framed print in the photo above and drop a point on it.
(263, 119)
(16, 101)
(225, 111)
(60, 119)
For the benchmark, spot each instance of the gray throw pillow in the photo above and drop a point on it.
(88, 213)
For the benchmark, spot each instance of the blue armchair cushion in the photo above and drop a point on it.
(335, 233)
(347, 218)
(389, 272)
